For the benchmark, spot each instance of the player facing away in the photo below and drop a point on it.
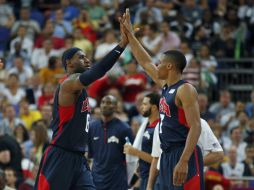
(181, 160)
(63, 165)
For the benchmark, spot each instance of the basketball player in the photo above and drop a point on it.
(150, 110)
(209, 144)
(181, 160)
(63, 165)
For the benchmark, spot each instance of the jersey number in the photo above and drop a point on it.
(161, 120)
(87, 122)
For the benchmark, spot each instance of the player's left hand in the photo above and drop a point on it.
(128, 149)
(180, 173)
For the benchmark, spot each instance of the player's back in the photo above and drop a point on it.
(70, 123)
(173, 125)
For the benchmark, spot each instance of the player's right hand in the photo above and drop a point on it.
(180, 173)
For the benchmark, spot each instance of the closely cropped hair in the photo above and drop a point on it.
(154, 99)
(178, 58)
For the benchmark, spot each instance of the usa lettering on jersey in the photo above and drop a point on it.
(164, 107)
(85, 106)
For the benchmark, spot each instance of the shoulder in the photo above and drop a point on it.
(187, 91)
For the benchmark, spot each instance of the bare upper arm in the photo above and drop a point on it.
(69, 90)
(187, 99)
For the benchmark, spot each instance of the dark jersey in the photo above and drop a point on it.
(70, 123)
(173, 125)
(146, 146)
(106, 143)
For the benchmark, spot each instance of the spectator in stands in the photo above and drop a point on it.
(7, 17)
(203, 107)
(249, 108)
(53, 72)
(28, 116)
(186, 50)
(208, 66)
(81, 42)
(70, 12)
(18, 52)
(151, 40)
(44, 54)
(24, 72)
(182, 27)
(39, 137)
(87, 26)
(192, 73)
(210, 25)
(249, 132)
(13, 92)
(10, 120)
(32, 26)
(47, 96)
(151, 13)
(21, 134)
(98, 15)
(232, 119)
(10, 154)
(10, 177)
(234, 168)
(169, 39)
(236, 139)
(250, 157)
(35, 85)
(47, 33)
(133, 81)
(3, 74)
(224, 106)
(192, 12)
(26, 43)
(62, 28)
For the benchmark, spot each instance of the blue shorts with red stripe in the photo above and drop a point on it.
(65, 170)
(170, 158)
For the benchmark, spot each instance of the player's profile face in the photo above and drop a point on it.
(162, 69)
(146, 107)
(80, 62)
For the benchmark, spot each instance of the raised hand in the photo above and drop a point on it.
(124, 38)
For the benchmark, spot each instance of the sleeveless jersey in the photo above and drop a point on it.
(173, 125)
(70, 124)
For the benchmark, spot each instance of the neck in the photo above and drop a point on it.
(153, 117)
(106, 119)
(173, 78)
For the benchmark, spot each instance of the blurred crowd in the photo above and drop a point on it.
(34, 33)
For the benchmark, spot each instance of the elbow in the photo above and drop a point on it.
(220, 156)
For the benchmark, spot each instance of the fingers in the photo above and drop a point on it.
(179, 178)
(127, 14)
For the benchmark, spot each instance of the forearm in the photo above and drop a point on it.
(138, 51)
(153, 173)
(191, 142)
(99, 69)
(143, 155)
(213, 157)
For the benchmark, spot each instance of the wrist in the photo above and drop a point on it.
(184, 160)
(121, 46)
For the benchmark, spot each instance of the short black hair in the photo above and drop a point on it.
(177, 57)
(154, 99)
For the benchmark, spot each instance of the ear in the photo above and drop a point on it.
(169, 66)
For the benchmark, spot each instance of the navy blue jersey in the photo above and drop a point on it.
(173, 126)
(105, 143)
(146, 146)
(70, 123)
